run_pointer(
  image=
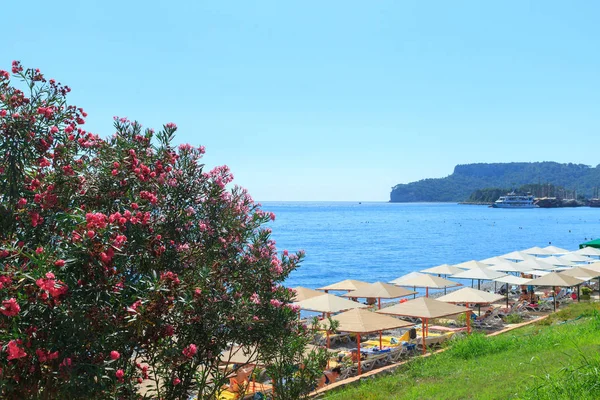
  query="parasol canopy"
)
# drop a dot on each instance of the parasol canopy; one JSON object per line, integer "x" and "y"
{"x": 429, "y": 281}
{"x": 471, "y": 264}
{"x": 536, "y": 272}
{"x": 537, "y": 263}
{"x": 594, "y": 266}
{"x": 510, "y": 267}
{"x": 575, "y": 258}
{"x": 303, "y": 293}
{"x": 516, "y": 255}
{"x": 587, "y": 251}
{"x": 582, "y": 273}
{"x": 555, "y": 279}
{"x": 479, "y": 273}
{"x": 346, "y": 285}
{"x": 469, "y": 295}
{"x": 380, "y": 290}
{"x": 401, "y": 279}
{"x": 328, "y": 303}
{"x": 423, "y": 307}
{"x": 512, "y": 280}
{"x": 364, "y": 321}
{"x": 494, "y": 260}
{"x": 537, "y": 251}
{"x": 443, "y": 269}
{"x": 556, "y": 250}
{"x": 553, "y": 260}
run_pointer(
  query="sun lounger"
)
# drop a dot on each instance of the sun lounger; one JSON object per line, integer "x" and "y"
{"x": 446, "y": 328}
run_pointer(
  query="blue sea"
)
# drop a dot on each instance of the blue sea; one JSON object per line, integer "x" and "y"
{"x": 381, "y": 241}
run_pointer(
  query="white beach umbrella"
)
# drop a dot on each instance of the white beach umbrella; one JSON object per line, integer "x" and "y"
{"x": 537, "y": 251}
{"x": 517, "y": 256}
{"x": 399, "y": 281}
{"x": 576, "y": 258}
{"x": 494, "y": 260}
{"x": 479, "y": 274}
{"x": 428, "y": 281}
{"x": 471, "y": 264}
{"x": 510, "y": 267}
{"x": 588, "y": 251}
{"x": 403, "y": 278}
{"x": 554, "y": 279}
{"x": 594, "y": 266}
{"x": 302, "y": 293}
{"x": 443, "y": 269}
{"x": 537, "y": 272}
{"x": 511, "y": 280}
{"x": 582, "y": 273}
{"x": 364, "y": 321}
{"x": 537, "y": 263}
{"x": 555, "y": 261}
{"x": 346, "y": 285}
{"x": 556, "y": 250}
{"x": 426, "y": 309}
{"x": 469, "y": 295}
{"x": 328, "y": 304}
{"x": 379, "y": 290}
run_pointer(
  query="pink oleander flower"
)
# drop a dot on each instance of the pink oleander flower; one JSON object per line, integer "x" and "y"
{"x": 255, "y": 298}
{"x": 190, "y": 351}
{"x": 176, "y": 381}
{"x": 10, "y": 307}
{"x": 114, "y": 355}
{"x": 119, "y": 374}
{"x": 14, "y": 351}
{"x": 276, "y": 303}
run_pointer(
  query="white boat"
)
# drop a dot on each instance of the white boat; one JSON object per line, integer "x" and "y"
{"x": 513, "y": 200}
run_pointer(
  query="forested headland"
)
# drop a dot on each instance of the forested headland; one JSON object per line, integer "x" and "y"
{"x": 483, "y": 182}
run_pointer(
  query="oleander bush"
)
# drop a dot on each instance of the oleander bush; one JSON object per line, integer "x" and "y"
{"x": 126, "y": 267}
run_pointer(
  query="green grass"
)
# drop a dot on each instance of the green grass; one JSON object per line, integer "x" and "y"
{"x": 543, "y": 361}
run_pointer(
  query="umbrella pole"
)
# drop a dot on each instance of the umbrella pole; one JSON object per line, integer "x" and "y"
{"x": 578, "y": 286}
{"x": 423, "y": 335}
{"x": 478, "y": 284}
{"x": 554, "y": 291}
{"x": 379, "y": 303}
{"x": 472, "y": 283}
{"x": 380, "y": 343}
{"x": 427, "y": 291}
{"x": 468, "y": 321}
{"x": 415, "y": 290}
{"x": 507, "y": 297}
{"x": 359, "y": 356}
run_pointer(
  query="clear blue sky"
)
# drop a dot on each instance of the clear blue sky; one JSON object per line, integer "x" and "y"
{"x": 330, "y": 100}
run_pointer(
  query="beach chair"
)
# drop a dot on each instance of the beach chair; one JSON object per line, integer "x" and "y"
{"x": 398, "y": 353}
{"x": 490, "y": 322}
{"x": 545, "y": 305}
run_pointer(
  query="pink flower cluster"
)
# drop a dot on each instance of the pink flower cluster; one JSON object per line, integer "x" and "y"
{"x": 10, "y": 307}
{"x": 49, "y": 284}
{"x": 190, "y": 351}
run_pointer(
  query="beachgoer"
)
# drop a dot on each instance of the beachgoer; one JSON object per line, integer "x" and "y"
{"x": 371, "y": 301}
{"x": 329, "y": 377}
{"x": 240, "y": 380}
{"x": 488, "y": 312}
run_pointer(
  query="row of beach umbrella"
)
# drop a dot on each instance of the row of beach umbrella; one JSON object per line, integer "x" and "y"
{"x": 551, "y": 266}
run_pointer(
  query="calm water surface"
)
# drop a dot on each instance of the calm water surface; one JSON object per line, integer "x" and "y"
{"x": 382, "y": 241}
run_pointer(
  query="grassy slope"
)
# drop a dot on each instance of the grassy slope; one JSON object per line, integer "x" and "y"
{"x": 508, "y": 366}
